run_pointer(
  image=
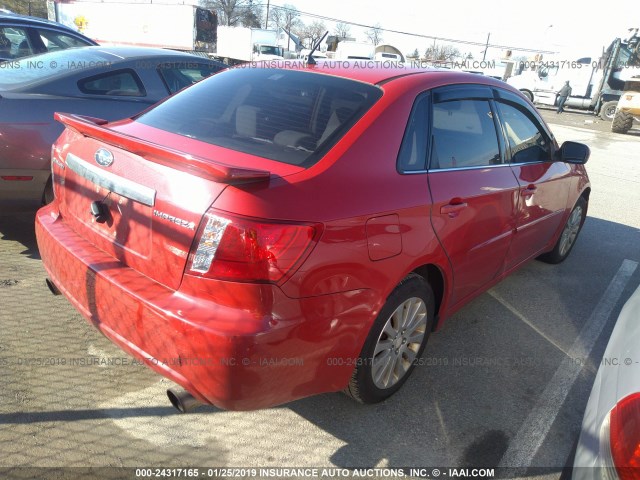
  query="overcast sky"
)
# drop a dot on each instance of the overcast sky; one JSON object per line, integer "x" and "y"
{"x": 574, "y": 28}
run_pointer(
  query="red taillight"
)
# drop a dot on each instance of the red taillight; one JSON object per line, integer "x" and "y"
{"x": 17, "y": 178}
{"x": 624, "y": 435}
{"x": 244, "y": 250}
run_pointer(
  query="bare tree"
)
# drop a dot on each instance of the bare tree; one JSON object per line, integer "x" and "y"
{"x": 235, "y": 12}
{"x": 310, "y": 34}
{"x": 287, "y": 18}
{"x": 36, "y": 8}
{"x": 441, "y": 53}
{"x": 414, "y": 54}
{"x": 375, "y": 34}
{"x": 342, "y": 30}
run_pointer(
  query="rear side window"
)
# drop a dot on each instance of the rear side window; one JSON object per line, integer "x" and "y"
{"x": 14, "y": 43}
{"x": 59, "y": 41}
{"x": 284, "y": 115}
{"x": 176, "y": 76}
{"x": 413, "y": 151}
{"x": 464, "y": 135}
{"x": 527, "y": 142}
{"x": 120, "y": 83}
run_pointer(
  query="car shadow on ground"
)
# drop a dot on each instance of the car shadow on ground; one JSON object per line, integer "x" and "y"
{"x": 479, "y": 378}
{"x": 486, "y": 369}
{"x": 20, "y": 228}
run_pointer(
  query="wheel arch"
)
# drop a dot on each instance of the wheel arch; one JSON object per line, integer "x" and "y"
{"x": 528, "y": 93}
{"x": 434, "y": 276}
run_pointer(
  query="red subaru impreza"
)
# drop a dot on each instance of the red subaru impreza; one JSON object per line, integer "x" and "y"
{"x": 274, "y": 233}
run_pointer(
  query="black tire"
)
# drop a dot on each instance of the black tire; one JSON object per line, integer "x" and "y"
{"x": 622, "y": 122}
{"x": 569, "y": 234}
{"x": 47, "y": 196}
{"x": 527, "y": 94}
{"x": 402, "y": 354}
{"x": 608, "y": 110}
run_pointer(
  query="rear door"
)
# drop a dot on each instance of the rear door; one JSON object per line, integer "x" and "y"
{"x": 544, "y": 183}
{"x": 474, "y": 192}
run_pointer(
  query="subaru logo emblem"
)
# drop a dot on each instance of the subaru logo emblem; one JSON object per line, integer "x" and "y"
{"x": 103, "y": 157}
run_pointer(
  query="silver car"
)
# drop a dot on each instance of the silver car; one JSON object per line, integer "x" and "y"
{"x": 104, "y": 82}
{"x": 609, "y": 444}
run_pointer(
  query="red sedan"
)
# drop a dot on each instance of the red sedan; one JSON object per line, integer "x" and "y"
{"x": 274, "y": 233}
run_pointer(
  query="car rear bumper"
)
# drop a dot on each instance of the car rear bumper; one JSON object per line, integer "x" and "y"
{"x": 22, "y": 189}
{"x": 249, "y": 347}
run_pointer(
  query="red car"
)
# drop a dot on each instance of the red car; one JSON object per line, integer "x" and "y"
{"x": 274, "y": 233}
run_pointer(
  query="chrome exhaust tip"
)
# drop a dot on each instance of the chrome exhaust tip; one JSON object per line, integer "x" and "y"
{"x": 182, "y": 400}
{"x": 52, "y": 288}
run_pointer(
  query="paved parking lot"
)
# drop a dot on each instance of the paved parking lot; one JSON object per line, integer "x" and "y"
{"x": 504, "y": 383}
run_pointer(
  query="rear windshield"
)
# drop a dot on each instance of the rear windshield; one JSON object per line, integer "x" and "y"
{"x": 40, "y": 68}
{"x": 284, "y": 115}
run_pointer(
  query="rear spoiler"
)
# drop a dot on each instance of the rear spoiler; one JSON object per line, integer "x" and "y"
{"x": 202, "y": 167}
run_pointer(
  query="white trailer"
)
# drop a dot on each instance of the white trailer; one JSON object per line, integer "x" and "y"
{"x": 242, "y": 44}
{"x": 114, "y": 22}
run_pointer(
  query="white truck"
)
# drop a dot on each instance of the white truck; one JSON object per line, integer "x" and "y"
{"x": 149, "y": 23}
{"x": 595, "y": 84}
{"x": 114, "y": 22}
{"x": 242, "y": 44}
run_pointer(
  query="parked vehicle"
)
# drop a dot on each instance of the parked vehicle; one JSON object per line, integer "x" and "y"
{"x": 348, "y": 50}
{"x": 243, "y": 44}
{"x": 609, "y": 444}
{"x": 596, "y": 84}
{"x": 270, "y": 234}
{"x": 111, "y": 83}
{"x": 23, "y": 36}
{"x": 628, "y": 107}
{"x": 192, "y": 29}
{"x": 304, "y": 54}
{"x": 151, "y": 24}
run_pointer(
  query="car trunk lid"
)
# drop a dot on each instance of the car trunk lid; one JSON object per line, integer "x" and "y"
{"x": 152, "y": 197}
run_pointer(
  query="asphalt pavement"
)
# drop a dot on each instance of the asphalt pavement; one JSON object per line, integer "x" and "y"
{"x": 504, "y": 383}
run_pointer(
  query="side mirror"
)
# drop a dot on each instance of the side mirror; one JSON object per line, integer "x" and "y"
{"x": 574, "y": 152}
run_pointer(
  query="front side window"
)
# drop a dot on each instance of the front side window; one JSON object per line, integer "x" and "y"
{"x": 527, "y": 142}
{"x": 285, "y": 115}
{"x": 120, "y": 83}
{"x": 464, "y": 135}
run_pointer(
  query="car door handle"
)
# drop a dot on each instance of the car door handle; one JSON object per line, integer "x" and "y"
{"x": 530, "y": 190}
{"x": 452, "y": 209}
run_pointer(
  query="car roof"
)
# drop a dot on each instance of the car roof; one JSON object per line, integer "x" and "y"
{"x": 129, "y": 53}
{"x": 382, "y": 72}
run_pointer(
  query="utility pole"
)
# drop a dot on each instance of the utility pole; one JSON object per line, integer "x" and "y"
{"x": 266, "y": 22}
{"x": 484, "y": 56}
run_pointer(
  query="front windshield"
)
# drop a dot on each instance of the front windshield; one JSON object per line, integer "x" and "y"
{"x": 270, "y": 50}
{"x": 40, "y": 68}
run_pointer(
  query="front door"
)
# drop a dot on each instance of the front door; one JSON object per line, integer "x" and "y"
{"x": 542, "y": 200}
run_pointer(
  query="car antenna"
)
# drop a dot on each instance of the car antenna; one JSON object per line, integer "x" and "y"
{"x": 310, "y": 59}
